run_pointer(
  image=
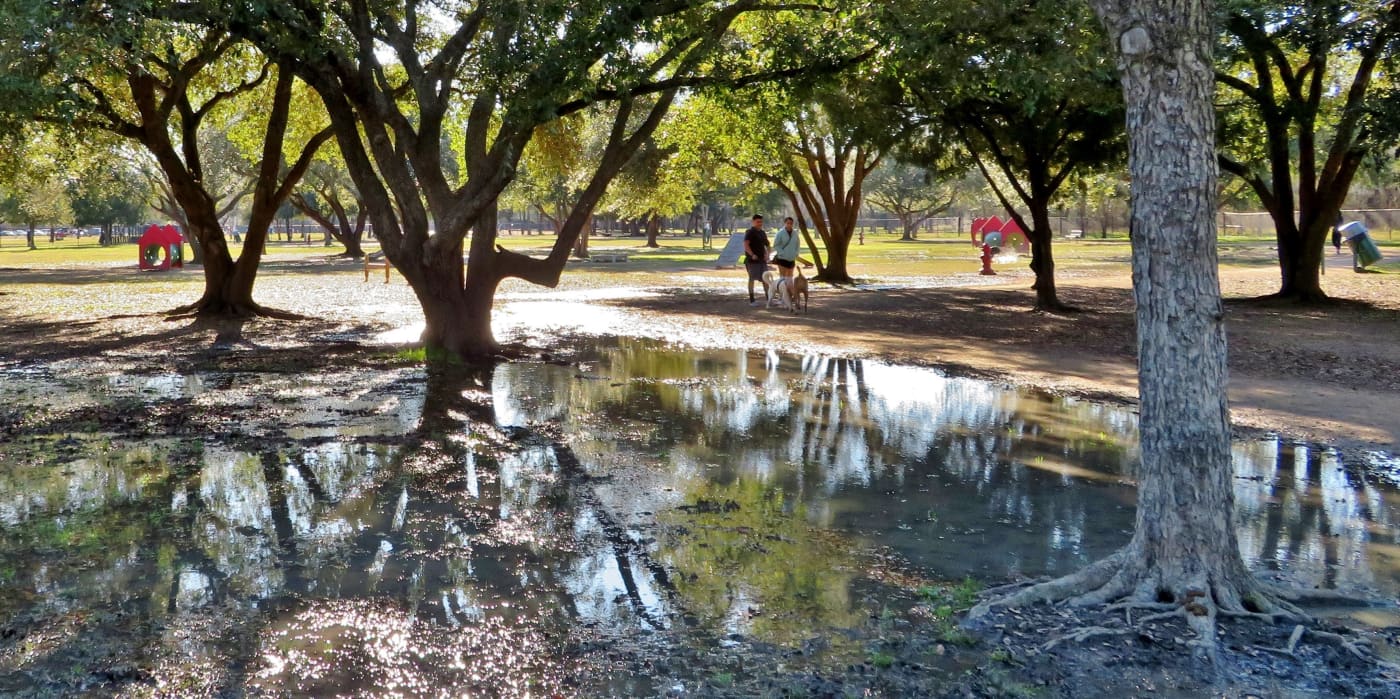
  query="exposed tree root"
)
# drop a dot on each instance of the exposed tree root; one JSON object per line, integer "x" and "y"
{"x": 1359, "y": 648}
{"x": 999, "y": 590}
{"x": 1121, "y": 582}
{"x": 205, "y": 308}
{"x": 1053, "y": 591}
{"x": 1084, "y": 634}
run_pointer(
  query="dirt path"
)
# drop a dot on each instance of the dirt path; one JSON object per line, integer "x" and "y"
{"x": 1328, "y": 375}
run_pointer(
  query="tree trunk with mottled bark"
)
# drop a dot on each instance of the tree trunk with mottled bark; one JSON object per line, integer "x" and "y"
{"x": 1184, "y": 550}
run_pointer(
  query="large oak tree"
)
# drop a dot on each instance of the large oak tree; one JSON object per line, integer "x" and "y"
{"x": 1302, "y": 110}
{"x": 1030, "y": 106}
{"x": 402, "y": 81}
{"x": 1184, "y": 558}
{"x": 117, "y": 68}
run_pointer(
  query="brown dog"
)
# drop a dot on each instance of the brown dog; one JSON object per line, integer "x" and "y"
{"x": 799, "y": 290}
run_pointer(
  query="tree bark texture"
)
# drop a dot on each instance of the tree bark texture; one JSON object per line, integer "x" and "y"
{"x": 1184, "y": 546}
{"x": 1184, "y": 551}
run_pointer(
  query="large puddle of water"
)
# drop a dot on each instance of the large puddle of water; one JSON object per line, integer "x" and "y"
{"x": 400, "y": 533}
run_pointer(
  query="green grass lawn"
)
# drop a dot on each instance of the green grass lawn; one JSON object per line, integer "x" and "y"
{"x": 15, "y": 253}
{"x": 882, "y": 254}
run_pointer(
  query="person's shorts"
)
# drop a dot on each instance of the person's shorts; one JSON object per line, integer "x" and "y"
{"x": 785, "y": 264}
{"x": 756, "y": 270}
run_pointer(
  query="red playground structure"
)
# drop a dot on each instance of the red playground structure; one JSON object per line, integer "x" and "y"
{"x": 991, "y": 234}
{"x": 161, "y": 247}
{"x": 1011, "y": 234}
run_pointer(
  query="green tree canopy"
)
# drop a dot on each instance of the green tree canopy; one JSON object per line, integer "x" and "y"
{"x": 123, "y": 69}
{"x": 391, "y": 75}
{"x": 1029, "y": 106}
{"x": 1303, "y": 101}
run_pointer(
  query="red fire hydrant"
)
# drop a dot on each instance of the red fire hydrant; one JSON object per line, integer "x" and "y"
{"x": 987, "y": 253}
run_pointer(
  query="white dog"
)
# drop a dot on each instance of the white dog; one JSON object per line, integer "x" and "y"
{"x": 778, "y": 289}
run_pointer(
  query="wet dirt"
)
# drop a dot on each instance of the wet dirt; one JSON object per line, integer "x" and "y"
{"x": 615, "y": 517}
{"x": 733, "y": 503}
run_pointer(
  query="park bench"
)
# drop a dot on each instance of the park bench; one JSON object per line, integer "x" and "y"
{"x": 607, "y": 257}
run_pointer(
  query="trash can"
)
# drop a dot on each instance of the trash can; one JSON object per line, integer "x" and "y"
{"x": 1363, "y": 250}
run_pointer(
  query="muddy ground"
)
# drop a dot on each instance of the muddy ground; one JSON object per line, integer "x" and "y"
{"x": 1326, "y": 375}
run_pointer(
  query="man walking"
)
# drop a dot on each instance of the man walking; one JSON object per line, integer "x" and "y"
{"x": 756, "y": 256}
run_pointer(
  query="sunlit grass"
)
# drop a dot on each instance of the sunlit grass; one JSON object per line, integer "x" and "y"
{"x": 14, "y": 251}
{"x": 72, "y": 278}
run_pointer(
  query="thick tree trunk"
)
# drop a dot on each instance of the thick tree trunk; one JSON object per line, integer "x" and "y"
{"x": 458, "y": 318}
{"x": 456, "y": 302}
{"x": 1184, "y": 545}
{"x": 228, "y": 284}
{"x": 907, "y": 222}
{"x": 1184, "y": 550}
{"x": 1300, "y": 261}
{"x": 1043, "y": 260}
{"x": 29, "y": 237}
{"x": 838, "y": 245}
{"x": 653, "y": 230}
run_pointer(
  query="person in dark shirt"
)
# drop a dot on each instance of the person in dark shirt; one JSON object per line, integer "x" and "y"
{"x": 756, "y": 256}
{"x": 1337, "y": 233}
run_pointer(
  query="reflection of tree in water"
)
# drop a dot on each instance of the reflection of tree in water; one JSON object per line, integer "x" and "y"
{"x": 353, "y": 559}
{"x": 465, "y": 552}
{"x": 746, "y": 561}
{"x": 1301, "y": 510}
{"x": 856, "y": 442}
{"x": 1015, "y": 481}
{"x": 467, "y": 533}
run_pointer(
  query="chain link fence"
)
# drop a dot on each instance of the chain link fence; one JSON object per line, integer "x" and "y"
{"x": 1259, "y": 224}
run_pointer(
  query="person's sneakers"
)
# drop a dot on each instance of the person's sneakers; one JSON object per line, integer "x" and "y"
{"x": 753, "y": 303}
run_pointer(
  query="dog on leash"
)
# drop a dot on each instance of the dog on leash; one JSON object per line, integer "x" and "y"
{"x": 777, "y": 289}
{"x": 799, "y": 291}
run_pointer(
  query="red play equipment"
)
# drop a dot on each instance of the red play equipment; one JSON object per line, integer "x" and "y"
{"x": 1011, "y": 234}
{"x": 161, "y": 248}
{"x": 991, "y": 245}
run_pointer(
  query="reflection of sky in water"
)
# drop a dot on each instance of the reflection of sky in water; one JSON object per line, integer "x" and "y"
{"x": 415, "y": 558}
{"x": 959, "y": 476}
{"x": 158, "y": 386}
